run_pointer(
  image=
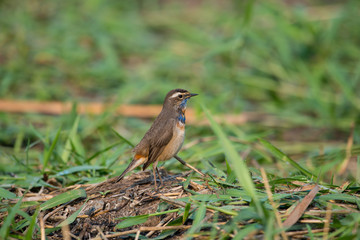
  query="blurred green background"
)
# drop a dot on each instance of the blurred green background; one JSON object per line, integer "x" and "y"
{"x": 296, "y": 61}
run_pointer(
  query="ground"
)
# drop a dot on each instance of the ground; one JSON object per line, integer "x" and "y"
{"x": 108, "y": 201}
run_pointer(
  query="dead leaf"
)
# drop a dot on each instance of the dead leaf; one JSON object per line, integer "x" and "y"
{"x": 299, "y": 210}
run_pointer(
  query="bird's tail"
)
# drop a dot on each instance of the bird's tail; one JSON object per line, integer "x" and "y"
{"x": 134, "y": 163}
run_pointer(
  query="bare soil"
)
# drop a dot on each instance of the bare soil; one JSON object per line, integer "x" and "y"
{"x": 108, "y": 201}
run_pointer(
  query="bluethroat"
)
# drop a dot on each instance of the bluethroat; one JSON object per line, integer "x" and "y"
{"x": 165, "y": 137}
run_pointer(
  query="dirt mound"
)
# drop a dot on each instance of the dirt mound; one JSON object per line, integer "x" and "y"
{"x": 133, "y": 196}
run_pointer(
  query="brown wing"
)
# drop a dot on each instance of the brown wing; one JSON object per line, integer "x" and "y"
{"x": 160, "y": 138}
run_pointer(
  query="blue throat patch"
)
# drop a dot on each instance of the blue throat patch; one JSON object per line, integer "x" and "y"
{"x": 183, "y": 103}
{"x": 181, "y": 116}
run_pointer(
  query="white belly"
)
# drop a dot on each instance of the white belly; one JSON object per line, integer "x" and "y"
{"x": 175, "y": 143}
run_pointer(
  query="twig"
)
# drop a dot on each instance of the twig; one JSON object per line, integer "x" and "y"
{"x": 42, "y": 226}
{"x": 294, "y": 233}
{"x": 144, "y": 229}
{"x": 52, "y": 212}
{"x": 327, "y": 222}
{"x": 33, "y": 198}
{"x": 176, "y": 203}
{"x": 322, "y": 212}
{"x": 188, "y": 165}
{"x": 171, "y": 194}
{"x": 164, "y": 221}
{"x": 312, "y": 221}
{"x": 100, "y": 212}
{"x": 66, "y": 232}
{"x": 101, "y": 233}
{"x": 137, "y": 235}
{"x": 74, "y": 236}
{"x": 268, "y": 192}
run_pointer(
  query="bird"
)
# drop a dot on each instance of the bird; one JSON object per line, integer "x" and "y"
{"x": 165, "y": 137}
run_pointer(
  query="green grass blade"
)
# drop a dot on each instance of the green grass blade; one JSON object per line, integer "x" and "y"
{"x": 78, "y": 169}
{"x": 231, "y": 176}
{"x": 30, "y": 229}
{"x": 131, "y": 221}
{"x": 72, "y": 218}
{"x": 71, "y": 138}
{"x": 63, "y": 198}
{"x": 123, "y": 138}
{"x": 242, "y": 233}
{"x": 186, "y": 212}
{"x": 269, "y": 228}
{"x": 38, "y": 134}
{"x": 358, "y": 171}
{"x": 239, "y": 166}
{"x": 311, "y": 235}
{"x": 4, "y": 230}
{"x": 101, "y": 151}
{"x": 223, "y": 210}
{"x": 6, "y": 194}
{"x": 338, "y": 197}
{"x": 199, "y": 217}
{"x": 279, "y": 154}
{"x": 51, "y": 149}
{"x": 22, "y": 224}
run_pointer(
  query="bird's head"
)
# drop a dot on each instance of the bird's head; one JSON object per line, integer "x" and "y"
{"x": 178, "y": 98}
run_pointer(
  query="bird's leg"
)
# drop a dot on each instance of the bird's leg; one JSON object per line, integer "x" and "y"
{"x": 161, "y": 181}
{"x": 188, "y": 165}
{"x": 154, "y": 176}
{"x": 155, "y": 168}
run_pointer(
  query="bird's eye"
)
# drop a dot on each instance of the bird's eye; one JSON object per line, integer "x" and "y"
{"x": 180, "y": 96}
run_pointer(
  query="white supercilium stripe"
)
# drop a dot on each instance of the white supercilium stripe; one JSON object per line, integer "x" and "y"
{"x": 176, "y": 94}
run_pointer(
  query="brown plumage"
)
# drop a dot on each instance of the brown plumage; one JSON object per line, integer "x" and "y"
{"x": 166, "y": 135}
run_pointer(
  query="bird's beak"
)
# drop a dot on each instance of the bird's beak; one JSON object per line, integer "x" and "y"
{"x": 193, "y": 95}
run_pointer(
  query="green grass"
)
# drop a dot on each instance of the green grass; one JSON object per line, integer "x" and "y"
{"x": 297, "y": 64}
